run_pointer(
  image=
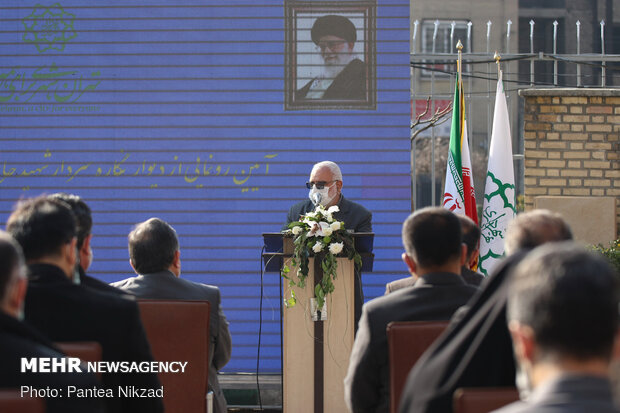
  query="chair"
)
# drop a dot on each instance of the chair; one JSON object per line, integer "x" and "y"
{"x": 407, "y": 341}
{"x": 179, "y": 331}
{"x": 84, "y": 350}
{"x": 12, "y": 402}
{"x": 483, "y": 399}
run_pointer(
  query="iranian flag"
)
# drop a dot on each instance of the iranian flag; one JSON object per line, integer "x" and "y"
{"x": 499, "y": 190}
{"x": 459, "y": 195}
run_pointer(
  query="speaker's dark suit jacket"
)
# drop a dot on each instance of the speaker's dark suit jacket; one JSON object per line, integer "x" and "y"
{"x": 65, "y": 311}
{"x": 434, "y": 296}
{"x": 19, "y": 340}
{"x": 356, "y": 218}
{"x": 476, "y": 351}
{"x": 354, "y": 215}
{"x": 166, "y": 286}
{"x": 350, "y": 84}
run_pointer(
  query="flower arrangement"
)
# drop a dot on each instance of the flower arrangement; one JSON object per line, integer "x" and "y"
{"x": 318, "y": 233}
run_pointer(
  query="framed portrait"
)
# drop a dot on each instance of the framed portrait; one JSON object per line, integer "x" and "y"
{"x": 330, "y": 56}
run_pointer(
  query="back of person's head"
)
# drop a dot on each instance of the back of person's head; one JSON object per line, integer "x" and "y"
{"x": 152, "y": 245}
{"x": 42, "y": 227}
{"x": 569, "y": 298}
{"x": 432, "y": 237}
{"x": 471, "y": 234}
{"x": 531, "y": 229}
{"x": 11, "y": 259}
{"x": 332, "y": 166}
{"x": 82, "y": 214}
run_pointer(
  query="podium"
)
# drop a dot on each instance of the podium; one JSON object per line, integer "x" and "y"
{"x": 315, "y": 354}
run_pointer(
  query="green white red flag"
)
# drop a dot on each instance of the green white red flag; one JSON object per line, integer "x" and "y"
{"x": 499, "y": 191}
{"x": 459, "y": 195}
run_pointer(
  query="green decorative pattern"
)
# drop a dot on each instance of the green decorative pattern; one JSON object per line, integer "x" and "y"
{"x": 48, "y": 27}
{"x": 501, "y": 191}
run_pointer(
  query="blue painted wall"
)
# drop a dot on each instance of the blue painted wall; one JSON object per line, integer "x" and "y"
{"x": 175, "y": 109}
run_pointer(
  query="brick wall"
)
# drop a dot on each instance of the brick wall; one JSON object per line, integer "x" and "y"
{"x": 571, "y": 143}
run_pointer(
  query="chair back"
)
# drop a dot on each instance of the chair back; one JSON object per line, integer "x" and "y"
{"x": 483, "y": 399}
{"x": 12, "y": 402}
{"x": 407, "y": 341}
{"x": 179, "y": 331}
{"x": 84, "y": 350}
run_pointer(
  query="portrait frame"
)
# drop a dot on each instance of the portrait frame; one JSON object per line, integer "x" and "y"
{"x": 304, "y": 63}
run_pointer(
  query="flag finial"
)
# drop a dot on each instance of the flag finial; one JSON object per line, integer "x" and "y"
{"x": 497, "y": 58}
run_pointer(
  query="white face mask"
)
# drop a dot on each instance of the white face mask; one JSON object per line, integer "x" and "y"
{"x": 321, "y": 196}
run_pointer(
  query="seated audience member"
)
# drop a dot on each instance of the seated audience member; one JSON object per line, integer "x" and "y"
{"x": 471, "y": 235}
{"x": 84, "y": 221}
{"x": 65, "y": 311}
{"x": 18, "y": 340}
{"x": 563, "y": 318}
{"x": 155, "y": 256}
{"x": 434, "y": 254}
{"x": 476, "y": 350}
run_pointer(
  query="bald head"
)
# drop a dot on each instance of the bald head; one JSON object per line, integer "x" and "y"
{"x": 531, "y": 229}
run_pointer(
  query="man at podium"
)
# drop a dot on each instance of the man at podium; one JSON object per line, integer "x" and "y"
{"x": 325, "y": 187}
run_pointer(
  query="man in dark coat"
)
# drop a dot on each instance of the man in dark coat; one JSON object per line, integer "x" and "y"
{"x": 344, "y": 76}
{"x": 476, "y": 350}
{"x": 155, "y": 256}
{"x": 18, "y": 340}
{"x": 325, "y": 187}
{"x": 434, "y": 255}
{"x": 65, "y": 311}
{"x": 84, "y": 228}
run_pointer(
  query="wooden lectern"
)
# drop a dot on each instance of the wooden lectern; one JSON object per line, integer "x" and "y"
{"x": 315, "y": 354}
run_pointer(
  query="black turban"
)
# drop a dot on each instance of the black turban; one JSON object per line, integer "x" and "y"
{"x": 333, "y": 25}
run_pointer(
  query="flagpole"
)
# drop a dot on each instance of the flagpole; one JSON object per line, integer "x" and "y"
{"x": 459, "y": 47}
{"x": 497, "y": 57}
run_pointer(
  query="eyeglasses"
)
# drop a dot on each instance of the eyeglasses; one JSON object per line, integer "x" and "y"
{"x": 319, "y": 184}
{"x": 331, "y": 44}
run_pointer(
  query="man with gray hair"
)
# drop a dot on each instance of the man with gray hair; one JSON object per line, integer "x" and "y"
{"x": 155, "y": 256}
{"x": 563, "y": 319}
{"x": 325, "y": 187}
{"x": 476, "y": 351}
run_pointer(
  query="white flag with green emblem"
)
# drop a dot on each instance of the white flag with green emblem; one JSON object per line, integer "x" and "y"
{"x": 499, "y": 190}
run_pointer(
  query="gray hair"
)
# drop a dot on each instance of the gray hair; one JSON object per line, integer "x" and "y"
{"x": 332, "y": 166}
{"x": 534, "y": 228}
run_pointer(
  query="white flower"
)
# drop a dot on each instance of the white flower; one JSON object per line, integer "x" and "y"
{"x": 311, "y": 215}
{"x": 318, "y": 247}
{"x": 327, "y": 231}
{"x": 296, "y": 230}
{"x": 329, "y": 217}
{"x": 333, "y": 208}
{"x": 335, "y": 226}
{"x": 315, "y": 228}
{"x": 336, "y": 247}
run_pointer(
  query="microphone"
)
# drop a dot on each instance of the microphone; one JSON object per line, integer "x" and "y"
{"x": 316, "y": 198}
